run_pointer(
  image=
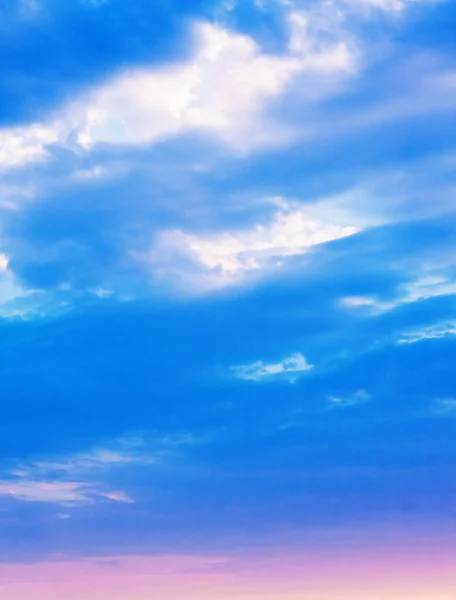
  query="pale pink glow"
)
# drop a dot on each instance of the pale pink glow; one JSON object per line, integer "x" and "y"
{"x": 58, "y": 492}
{"x": 39, "y": 491}
{"x": 117, "y": 497}
{"x": 413, "y": 571}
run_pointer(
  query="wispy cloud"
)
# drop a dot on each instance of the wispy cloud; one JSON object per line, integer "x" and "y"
{"x": 97, "y": 460}
{"x": 423, "y": 288}
{"x": 58, "y": 492}
{"x": 85, "y": 477}
{"x": 432, "y": 332}
{"x": 358, "y": 397}
{"x": 66, "y": 493}
{"x": 74, "y": 481}
{"x": 445, "y": 407}
{"x": 290, "y": 369}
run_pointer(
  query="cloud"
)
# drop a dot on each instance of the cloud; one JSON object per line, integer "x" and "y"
{"x": 74, "y": 480}
{"x": 56, "y": 492}
{"x": 12, "y": 294}
{"x": 225, "y": 89}
{"x": 121, "y": 452}
{"x": 65, "y": 493}
{"x": 83, "y": 462}
{"x": 222, "y": 89}
{"x": 432, "y": 90}
{"x": 18, "y": 302}
{"x": 85, "y": 477}
{"x": 386, "y": 5}
{"x": 425, "y": 287}
{"x": 117, "y": 497}
{"x": 445, "y": 407}
{"x": 26, "y": 144}
{"x": 432, "y": 332}
{"x": 290, "y": 368}
{"x": 351, "y": 400}
{"x": 231, "y": 257}
{"x": 69, "y": 482}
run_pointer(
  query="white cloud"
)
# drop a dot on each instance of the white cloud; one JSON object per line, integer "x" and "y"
{"x": 433, "y": 332}
{"x": 3, "y": 263}
{"x": 10, "y": 290}
{"x": 223, "y": 89}
{"x": 102, "y": 292}
{"x": 425, "y": 287}
{"x": 230, "y": 257}
{"x": 22, "y": 145}
{"x": 356, "y": 398}
{"x": 290, "y": 368}
{"x": 429, "y": 286}
{"x": 117, "y": 497}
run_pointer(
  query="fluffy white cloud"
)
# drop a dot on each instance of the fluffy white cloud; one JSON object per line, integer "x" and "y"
{"x": 290, "y": 368}
{"x": 22, "y": 145}
{"x": 223, "y": 89}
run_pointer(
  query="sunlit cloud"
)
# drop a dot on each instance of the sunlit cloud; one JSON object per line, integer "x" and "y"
{"x": 223, "y": 89}
{"x": 213, "y": 261}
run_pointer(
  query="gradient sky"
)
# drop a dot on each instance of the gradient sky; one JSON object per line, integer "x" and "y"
{"x": 227, "y": 300}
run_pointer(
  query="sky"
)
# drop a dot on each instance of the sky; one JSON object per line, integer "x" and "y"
{"x": 227, "y": 299}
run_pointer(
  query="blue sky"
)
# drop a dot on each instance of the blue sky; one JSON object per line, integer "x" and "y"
{"x": 227, "y": 274}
